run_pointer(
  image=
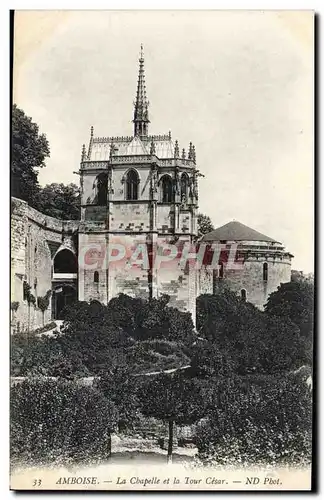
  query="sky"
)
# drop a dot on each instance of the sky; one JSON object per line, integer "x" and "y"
{"x": 238, "y": 84}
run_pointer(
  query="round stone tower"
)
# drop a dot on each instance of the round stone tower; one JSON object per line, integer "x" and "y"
{"x": 250, "y": 263}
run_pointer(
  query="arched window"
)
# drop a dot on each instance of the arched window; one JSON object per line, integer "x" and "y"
{"x": 96, "y": 277}
{"x": 265, "y": 271}
{"x": 132, "y": 182}
{"x": 184, "y": 186}
{"x": 65, "y": 262}
{"x": 243, "y": 294}
{"x": 167, "y": 189}
{"x": 221, "y": 270}
{"x": 102, "y": 189}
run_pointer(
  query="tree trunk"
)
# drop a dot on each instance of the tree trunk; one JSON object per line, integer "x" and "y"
{"x": 170, "y": 444}
{"x": 109, "y": 445}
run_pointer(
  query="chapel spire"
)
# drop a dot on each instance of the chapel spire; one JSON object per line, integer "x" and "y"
{"x": 141, "y": 103}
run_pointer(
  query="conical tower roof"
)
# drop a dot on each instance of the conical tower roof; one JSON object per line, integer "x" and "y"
{"x": 236, "y": 231}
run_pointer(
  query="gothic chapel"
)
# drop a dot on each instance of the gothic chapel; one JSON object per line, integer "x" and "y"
{"x": 138, "y": 188}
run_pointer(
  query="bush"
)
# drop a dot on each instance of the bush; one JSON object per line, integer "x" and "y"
{"x": 59, "y": 422}
{"x": 47, "y": 356}
{"x": 251, "y": 421}
{"x": 246, "y": 339}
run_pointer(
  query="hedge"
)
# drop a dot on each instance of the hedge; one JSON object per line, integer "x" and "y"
{"x": 59, "y": 422}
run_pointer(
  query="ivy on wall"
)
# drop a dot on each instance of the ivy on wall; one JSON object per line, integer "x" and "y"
{"x": 43, "y": 302}
{"x": 27, "y": 294}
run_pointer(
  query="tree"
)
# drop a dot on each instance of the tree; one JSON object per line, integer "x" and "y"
{"x": 256, "y": 420}
{"x": 90, "y": 332}
{"x": 246, "y": 339}
{"x": 60, "y": 201}
{"x": 205, "y": 224}
{"x": 300, "y": 276}
{"x": 295, "y": 301}
{"x": 155, "y": 319}
{"x": 29, "y": 151}
{"x": 43, "y": 302}
{"x": 174, "y": 399}
{"x": 119, "y": 386}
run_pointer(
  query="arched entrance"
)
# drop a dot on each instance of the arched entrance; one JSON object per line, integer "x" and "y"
{"x": 64, "y": 281}
{"x": 63, "y": 295}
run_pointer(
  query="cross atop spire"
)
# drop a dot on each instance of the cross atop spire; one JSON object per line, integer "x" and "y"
{"x": 141, "y": 119}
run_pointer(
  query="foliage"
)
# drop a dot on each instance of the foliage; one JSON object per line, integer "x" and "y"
{"x": 31, "y": 299}
{"x": 90, "y": 333}
{"x": 294, "y": 301}
{"x": 157, "y": 355}
{"x": 256, "y": 420}
{"x": 172, "y": 398}
{"x": 43, "y": 302}
{"x": 14, "y": 305}
{"x": 205, "y": 224}
{"x": 60, "y": 201}
{"x": 120, "y": 387}
{"x": 239, "y": 338}
{"x": 300, "y": 276}
{"x": 45, "y": 356}
{"x": 157, "y": 320}
{"x": 241, "y": 376}
{"x": 58, "y": 422}
{"x": 29, "y": 151}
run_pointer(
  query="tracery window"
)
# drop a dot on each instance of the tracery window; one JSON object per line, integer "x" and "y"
{"x": 167, "y": 189}
{"x": 102, "y": 189}
{"x": 132, "y": 182}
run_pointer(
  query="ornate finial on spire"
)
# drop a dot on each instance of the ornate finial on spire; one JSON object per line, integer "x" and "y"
{"x": 152, "y": 148}
{"x": 83, "y": 152}
{"x": 183, "y": 154}
{"x": 190, "y": 151}
{"x": 194, "y": 154}
{"x": 141, "y": 119}
{"x": 176, "y": 149}
{"x": 90, "y": 143}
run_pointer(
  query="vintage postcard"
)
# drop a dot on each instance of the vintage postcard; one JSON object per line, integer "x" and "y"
{"x": 162, "y": 274}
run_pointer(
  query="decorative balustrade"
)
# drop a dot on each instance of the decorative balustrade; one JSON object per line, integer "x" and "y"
{"x": 121, "y": 159}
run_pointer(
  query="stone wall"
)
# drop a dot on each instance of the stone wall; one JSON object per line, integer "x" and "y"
{"x": 35, "y": 238}
{"x": 130, "y": 217}
{"x": 250, "y": 278}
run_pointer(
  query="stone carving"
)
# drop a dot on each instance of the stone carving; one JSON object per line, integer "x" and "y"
{"x": 110, "y": 182}
{"x": 154, "y": 180}
{"x": 176, "y": 184}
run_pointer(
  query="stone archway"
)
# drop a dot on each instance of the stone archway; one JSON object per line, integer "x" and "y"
{"x": 64, "y": 294}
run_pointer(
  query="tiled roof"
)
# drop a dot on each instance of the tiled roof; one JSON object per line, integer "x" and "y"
{"x": 236, "y": 231}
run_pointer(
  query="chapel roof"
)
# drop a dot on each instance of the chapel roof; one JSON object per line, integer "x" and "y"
{"x": 130, "y": 146}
